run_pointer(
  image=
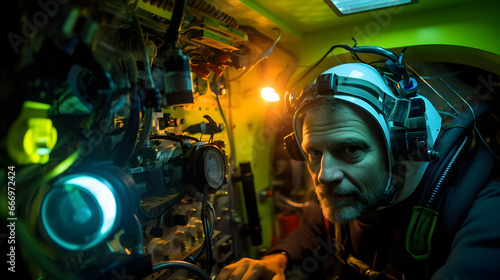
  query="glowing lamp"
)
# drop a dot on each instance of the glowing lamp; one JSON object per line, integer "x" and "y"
{"x": 83, "y": 209}
{"x": 269, "y": 94}
{"x": 32, "y": 136}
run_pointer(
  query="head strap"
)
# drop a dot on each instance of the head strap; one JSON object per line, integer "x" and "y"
{"x": 394, "y": 109}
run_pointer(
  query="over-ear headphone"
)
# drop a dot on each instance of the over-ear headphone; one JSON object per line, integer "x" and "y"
{"x": 408, "y": 133}
{"x": 409, "y": 122}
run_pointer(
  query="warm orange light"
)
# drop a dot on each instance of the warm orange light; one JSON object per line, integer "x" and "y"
{"x": 269, "y": 94}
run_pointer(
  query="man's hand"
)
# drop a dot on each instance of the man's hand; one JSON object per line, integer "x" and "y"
{"x": 271, "y": 267}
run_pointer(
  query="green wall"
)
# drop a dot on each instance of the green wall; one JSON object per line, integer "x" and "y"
{"x": 464, "y": 33}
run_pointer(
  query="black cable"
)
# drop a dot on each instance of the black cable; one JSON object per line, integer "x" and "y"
{"x": 182, "y": 265}
{"x": 202, "y": 248}
{"x": 448, "y": 173}
{"x": 146, "y": 129}
{"x": 172, "y": 34}
{"x": 140, "y": 237}
{"x": 354, "y": 50}
{"x": 127, "y": 145}
{"x": 208, "y": 245}
{"x": 377, "y": 61}
{"x": 177, "y": 138}
{"x": 256, "y": 60}
{"x": 171, "y": 203}
{"x": 374, "y": 50}
{"x": 359, "y": 59}
{"x": 315, "y": 65}
{"x": 193, "y": 259}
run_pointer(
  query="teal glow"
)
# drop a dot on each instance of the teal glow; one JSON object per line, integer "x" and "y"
{"x": 104, "y": 196}
{"x": 70, "y": 191}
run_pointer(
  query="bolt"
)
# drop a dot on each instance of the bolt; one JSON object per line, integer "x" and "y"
{"x": 433, "y": 154}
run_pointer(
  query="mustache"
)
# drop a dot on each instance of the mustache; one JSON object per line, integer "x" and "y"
{"x": 327, "y": 190}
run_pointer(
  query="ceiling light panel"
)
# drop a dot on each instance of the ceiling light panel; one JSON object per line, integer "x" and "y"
{"x": 347, "y": 7}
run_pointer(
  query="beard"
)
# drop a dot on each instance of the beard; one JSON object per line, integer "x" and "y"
{"x": 342, "y": 205}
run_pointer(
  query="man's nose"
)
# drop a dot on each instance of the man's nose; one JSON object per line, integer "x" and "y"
{"x": 330, "y": 171}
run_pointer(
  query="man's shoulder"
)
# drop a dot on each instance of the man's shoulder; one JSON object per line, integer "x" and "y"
{"x": 459, "y": 203}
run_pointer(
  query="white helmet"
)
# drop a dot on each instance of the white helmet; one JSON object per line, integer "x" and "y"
{"x": 409, "y": 124}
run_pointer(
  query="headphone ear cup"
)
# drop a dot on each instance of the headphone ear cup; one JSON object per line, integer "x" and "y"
{"x": 398, "y": 144}
{"x": 410, "y": 142}
{"x": 293, "y": 148}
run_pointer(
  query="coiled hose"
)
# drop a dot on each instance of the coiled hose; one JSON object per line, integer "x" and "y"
{"x": 448, "y": 172}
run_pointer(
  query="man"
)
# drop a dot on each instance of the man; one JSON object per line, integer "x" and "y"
{"x": 367, "y": 151}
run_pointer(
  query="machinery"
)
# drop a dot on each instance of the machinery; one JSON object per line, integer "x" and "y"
{"x": 105, "y": 178}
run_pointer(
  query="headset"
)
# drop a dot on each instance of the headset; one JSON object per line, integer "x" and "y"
{"x": 409, "y": 122}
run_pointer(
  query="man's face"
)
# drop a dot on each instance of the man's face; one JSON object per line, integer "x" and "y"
{"x": 347, "y": 163}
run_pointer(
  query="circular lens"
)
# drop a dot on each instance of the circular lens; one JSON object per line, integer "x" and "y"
{"x": 215, "y": 169}
{"x": 79, "y": 212}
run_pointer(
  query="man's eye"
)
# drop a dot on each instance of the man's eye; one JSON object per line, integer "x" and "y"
{"x": 351, "y": 150}
{"x": 313, "y": 154}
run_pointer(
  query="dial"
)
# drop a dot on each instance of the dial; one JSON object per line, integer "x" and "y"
{"x": 215, "y": 169}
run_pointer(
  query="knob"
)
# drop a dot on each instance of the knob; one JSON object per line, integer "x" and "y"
{"x": 163, "y": 247}
{"x": 156, "y": 232}
{"x": 152, "y": 231}
{"x": 176, "y": 220}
